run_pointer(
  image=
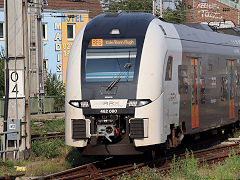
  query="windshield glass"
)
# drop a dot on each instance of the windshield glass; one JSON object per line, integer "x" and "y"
{"x": 104, "y": 65}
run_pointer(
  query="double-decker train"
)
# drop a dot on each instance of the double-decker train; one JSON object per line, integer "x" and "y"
{"x": 135, "y": 82}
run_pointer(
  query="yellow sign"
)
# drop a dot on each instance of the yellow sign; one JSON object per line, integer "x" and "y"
{"x": 112, "y": 43}
{"x": 97, "y": 42}
{"x": 71, "y": 24}
{"x": 120, "y": 42}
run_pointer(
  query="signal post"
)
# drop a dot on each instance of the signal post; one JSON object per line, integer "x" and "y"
{"x": 16, "y": 109}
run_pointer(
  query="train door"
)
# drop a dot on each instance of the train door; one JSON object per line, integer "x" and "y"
{"x": 231, "y": 89}
{"x": 194, "y": 93}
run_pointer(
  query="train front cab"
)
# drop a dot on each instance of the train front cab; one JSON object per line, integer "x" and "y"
{"x": 102, "y": 126}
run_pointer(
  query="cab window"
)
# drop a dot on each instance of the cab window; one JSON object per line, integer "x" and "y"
{"x": 168, "y": 76}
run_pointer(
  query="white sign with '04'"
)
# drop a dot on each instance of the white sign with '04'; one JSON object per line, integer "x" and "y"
{"x": 16, "y": 83}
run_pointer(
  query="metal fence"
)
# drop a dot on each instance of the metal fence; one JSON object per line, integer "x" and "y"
{"x": 48, "y": 106}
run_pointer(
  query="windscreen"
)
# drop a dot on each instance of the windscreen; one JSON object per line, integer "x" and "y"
{"x": 107, "y": 64}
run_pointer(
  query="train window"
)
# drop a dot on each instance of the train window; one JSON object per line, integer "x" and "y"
{"x": 202, "y": 90}
{"x": 104, "y": 65}
{"x": 210, "y": 67}
{"x": 168, "y": 76}
{"x": 238, "y": 76}
{"x": 182, "y": 79}
{"x": 224, "y": 88}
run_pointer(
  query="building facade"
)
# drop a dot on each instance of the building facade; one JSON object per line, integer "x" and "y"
{"x": 218, "y": 13}
{"x": 58, "y": 35}
{"x": 61, "y": 21}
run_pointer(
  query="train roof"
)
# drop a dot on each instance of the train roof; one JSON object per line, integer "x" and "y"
{"x": 129, "y": 24}
{"x": 232, "y": 31}
{"x": 187, "y": 33}
{"x": 199, "y": 26}
{"x": 136, "y": 24}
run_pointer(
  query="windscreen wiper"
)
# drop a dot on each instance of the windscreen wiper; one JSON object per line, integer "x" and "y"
{"x": 127, "y": 67}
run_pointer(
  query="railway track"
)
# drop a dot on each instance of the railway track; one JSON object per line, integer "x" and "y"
{"x": 50, "y": 135}
{"x": 94, "y": 171}
{"x": 9, "y": 177}
{"x": 210, "y": 155}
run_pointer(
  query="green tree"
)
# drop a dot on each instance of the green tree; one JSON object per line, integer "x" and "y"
{"x": 128, "y": 5}
{"x": 175, "y": 15}
{"x": 55, "y": 88}
{"x": 170, "y": 15}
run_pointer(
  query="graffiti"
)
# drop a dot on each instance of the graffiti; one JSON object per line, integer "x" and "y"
{"x": 207, "y": 14}
{"x": 207, "y": 6}
{"x": 221, "y": 24}
{"x": 209, "y": 10}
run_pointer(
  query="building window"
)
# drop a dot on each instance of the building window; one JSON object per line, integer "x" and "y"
{"x": 44, "y": 30}
{"x": 45, "y": 64}
{"x": 70, "y": 31}
{"x": 1, "y": 30}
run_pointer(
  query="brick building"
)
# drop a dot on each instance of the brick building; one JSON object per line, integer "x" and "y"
{"x": 217, "y": 13}
{"x": 93, "y": 7}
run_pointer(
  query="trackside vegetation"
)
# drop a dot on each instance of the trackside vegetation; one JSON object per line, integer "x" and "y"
{"x": 55, "y": 88}
{"x": 48, "y": 155}
{"x": 189, "y": 169}
{"x": 52, "y": 155}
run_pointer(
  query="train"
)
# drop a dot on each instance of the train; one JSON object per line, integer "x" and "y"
{"x": 136, "y": 83}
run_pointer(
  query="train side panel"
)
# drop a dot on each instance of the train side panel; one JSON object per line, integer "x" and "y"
{"x": 206, "y": 81}
{"x": 73, "y": 92}
{"x": 150, "y": 84}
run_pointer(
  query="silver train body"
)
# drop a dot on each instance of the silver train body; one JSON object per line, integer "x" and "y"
{"x": 135, "y": 82}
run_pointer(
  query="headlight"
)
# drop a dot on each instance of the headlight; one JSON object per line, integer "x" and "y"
{"x": 84, "y": 104}
{"x": 80, "y": 104}
{"x": 138, "y": 103}
{"x": 132, "y": 103}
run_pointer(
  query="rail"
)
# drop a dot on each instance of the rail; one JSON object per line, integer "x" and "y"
{"x": 92, "y": 170}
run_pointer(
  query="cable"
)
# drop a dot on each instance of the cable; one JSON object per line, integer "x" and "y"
{"x": 6, "y": 102}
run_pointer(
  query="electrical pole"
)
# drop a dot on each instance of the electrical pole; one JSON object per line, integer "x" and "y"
{"x": 154, "y": 7}
{"x": 161, "y": 8}
{"x": 39, "y": 54}
{"x": 36, "y": 64}
{"x": 17, "y": 77}
{"x": 26, "y": 85}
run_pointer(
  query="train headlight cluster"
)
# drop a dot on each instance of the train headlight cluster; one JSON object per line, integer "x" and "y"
{"x": 75, "y": 103}
{"x": 80, "y": 104}
{"x": 132, "y": 103}
{"x": 84, "y": 104}
{"x": 138, "y": 103}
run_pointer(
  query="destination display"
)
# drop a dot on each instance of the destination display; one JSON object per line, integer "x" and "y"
{"x": 112, "y": 43}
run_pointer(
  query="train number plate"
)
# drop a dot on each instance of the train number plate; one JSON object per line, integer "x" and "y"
{"x": 108, "y": 111}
